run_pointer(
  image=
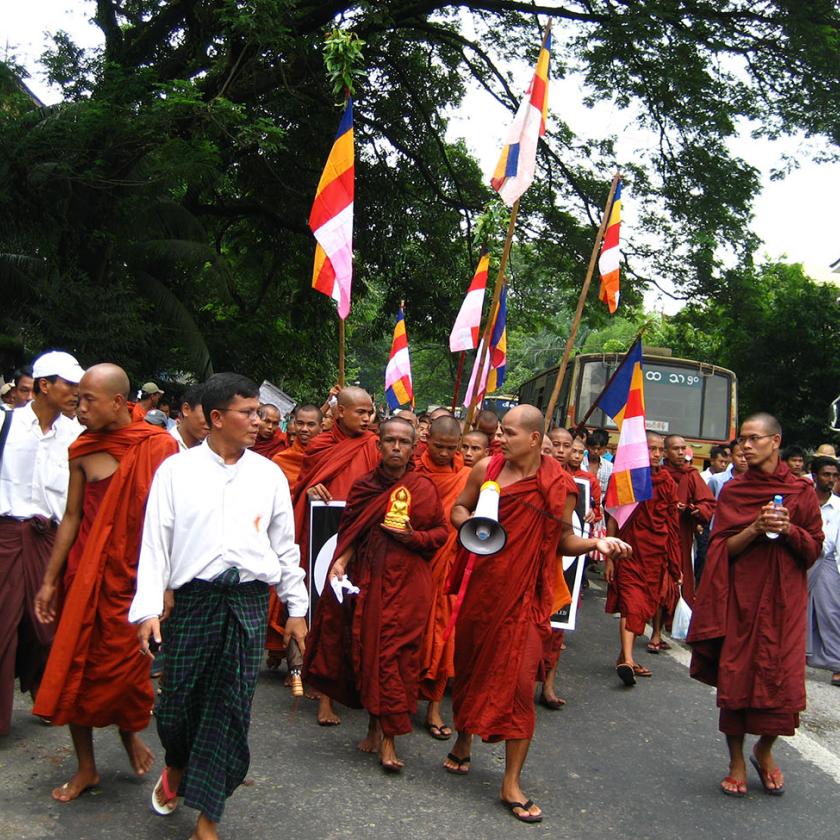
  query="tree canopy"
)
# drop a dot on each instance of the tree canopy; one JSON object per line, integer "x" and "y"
{"x": 157, "y": 216}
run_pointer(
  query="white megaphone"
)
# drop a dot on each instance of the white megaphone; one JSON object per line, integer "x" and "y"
{"x": 482, "y": 533}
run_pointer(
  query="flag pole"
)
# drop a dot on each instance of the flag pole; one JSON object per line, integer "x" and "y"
{"x": 552, "y": 403}
{"x": 341, "y": 352}
{"x": 458, "y": 376}
{"x": 497, "y": 294}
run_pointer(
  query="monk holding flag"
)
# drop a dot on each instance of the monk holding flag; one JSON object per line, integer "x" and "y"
{"x": 368, "y": 651}
{"x": 441, "y": 464}
{"x": 333, "y": 462}
{"x": 748, "y": 626}
{"x": 636, "y": 584}
{"x": 506, "y": 603}
{"x": 94, "y": 675}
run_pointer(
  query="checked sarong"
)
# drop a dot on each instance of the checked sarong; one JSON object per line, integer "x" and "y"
{"x": 214, "y": 645}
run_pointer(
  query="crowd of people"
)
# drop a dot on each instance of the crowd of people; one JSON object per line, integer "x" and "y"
{"x": 138, "y": 546}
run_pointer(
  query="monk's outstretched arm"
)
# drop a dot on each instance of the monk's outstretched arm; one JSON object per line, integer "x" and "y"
{"x": 68, "y": 530}
{"x": 571, "y": 545}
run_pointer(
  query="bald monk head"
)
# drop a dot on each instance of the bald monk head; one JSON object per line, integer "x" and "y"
{"x": 474, "y": 447}
{"x": 675, "y": 450}
{"x": 488, "y": 422}
{"x": 307, "y": 419}
{"x": 522, "y": 434}
{"x": 103, "y": 398}
{"x": 440, "y": 411}
{"x": 547, "y": 447}
{"x": 269, "y": 421}
{"x": 411, "y": 417}
{"x": 576, "y": 453}
{"x": 761, "y": 437}
{"x": 443, "y": 440}
{"x": 561, "y": 440}
{"x": 354, "y": 410}
{"x": 656, "y": 449}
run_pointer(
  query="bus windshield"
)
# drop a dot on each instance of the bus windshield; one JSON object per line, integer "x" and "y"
{"x": 679, "y": 399}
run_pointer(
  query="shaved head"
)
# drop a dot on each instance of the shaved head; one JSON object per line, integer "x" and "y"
{"x": 560, "y": 434}
{"x": 410, "y": 417}
{"x": 440, "y": 411}
{"x": 770, "y": 424}
{"x": 529, "y": 417}
{"x": 109, "y": 379}
{"x": 654, "y": 436}
{"x": 353, "y": 396}
{"x": 445, "y": 424}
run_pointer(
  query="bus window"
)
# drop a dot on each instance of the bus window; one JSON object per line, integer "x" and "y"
{"x": 673, "y": 399}
{"x": 593, "y": 377}
{"x": 716, "y": 407}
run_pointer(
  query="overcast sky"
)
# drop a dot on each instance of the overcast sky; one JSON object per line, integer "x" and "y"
{"x": 796, "y": 217}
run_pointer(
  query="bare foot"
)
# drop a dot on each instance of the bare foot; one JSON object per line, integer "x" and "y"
{"x": 326, "y": 712}
{"x": 388, "y": 756}
{"x": 139, "y": 754}
{"x": 76, "y": 786}
{"x": 205, "y": 829}
{"x": 311, "y": 694}
{"x": 514, "y": 793}
{"x": 373, "y": 740}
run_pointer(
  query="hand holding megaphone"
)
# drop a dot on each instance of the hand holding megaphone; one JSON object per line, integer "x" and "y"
{"x": 481, "y": 533}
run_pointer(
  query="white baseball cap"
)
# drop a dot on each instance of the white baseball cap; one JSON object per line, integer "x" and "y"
{"x": 58, "y": 363}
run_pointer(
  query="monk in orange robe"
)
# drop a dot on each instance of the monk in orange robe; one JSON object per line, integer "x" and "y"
{"x": 474, "y": 446}
{"x": 488, "y": 422}
{"x": 270, "y": 440}
{"x": 749, "y": 621}
{"x": 305, "y": 423}
{"x": 94, "y": 675}
{"x": 440, "y": 464}
{"x": 504, "y": 601}
{"x": 333, "y": 462}
{"x": 637, "y": 585}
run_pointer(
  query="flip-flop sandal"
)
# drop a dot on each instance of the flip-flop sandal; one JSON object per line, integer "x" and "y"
{"x": 664, "y": 646}
{"x": 641, "y": 671}
{"x": 653, "y": 648}
{"x": 625, "y": 674}
{"x": 437, "y": 732}
{"x": 774, "y": 791}
{"x": 554, "y": 705}
{"x": 526, "y": 817}
{"x": 166, "y": 809}
{"x": 740, "y": 790}
{"x": 460, "y": 770}
{"x": 835, "y": 681}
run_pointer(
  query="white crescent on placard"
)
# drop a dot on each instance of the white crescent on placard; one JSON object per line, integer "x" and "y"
{"x": 322, "y": 563}
{"x": 577, "y": 528}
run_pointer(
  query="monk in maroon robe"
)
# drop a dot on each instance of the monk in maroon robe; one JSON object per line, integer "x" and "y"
{"x": 333, "y": 462}
{"x": 696, "y": 504}
{"x": 270, "y": 440}
{"x": 748, "y": 627}
{"x": 367, "y": 651}
{"x": 637, "y": 584}
{"x": 505, "y": 600}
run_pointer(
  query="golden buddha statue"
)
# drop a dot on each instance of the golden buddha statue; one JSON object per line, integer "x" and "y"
{"x": 397, "y": 515}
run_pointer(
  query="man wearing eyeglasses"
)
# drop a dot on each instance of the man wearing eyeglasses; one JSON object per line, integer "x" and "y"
{"x": 219, "y": 532}
{"x": 748, "y": 626}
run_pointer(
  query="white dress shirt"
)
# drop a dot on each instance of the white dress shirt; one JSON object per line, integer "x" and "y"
{"x": 204, "y": 517}
{"x": 176, "y": 433}
{"x": 831, "y": 529}
{"x": 35, "y": 472}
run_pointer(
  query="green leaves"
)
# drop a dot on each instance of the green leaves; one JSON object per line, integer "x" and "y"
{"x": 343, "y": 57}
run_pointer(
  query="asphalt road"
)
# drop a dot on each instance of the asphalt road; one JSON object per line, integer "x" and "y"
{"x": 642, "y": 762}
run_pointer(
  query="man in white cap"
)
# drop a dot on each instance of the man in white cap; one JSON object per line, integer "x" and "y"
{"x": 34, "y": 475}
{"x": 149, "y": 398}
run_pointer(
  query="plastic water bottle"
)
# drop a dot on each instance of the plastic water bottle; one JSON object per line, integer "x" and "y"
{"x": 777, "y": 503}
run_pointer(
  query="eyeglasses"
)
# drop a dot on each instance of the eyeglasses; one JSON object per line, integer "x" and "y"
{"x": 750, "y": 439}
{"x": 250, "y": 413}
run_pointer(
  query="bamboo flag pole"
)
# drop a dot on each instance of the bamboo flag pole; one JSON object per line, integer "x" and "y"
{"x": 488, "y": 327}
{"x": 552, "y": 403}
{"x": 341, "y": 352}
{"x": 458, "y": 376}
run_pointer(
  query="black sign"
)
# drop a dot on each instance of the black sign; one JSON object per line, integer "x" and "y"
{"x": 323, "y": 537}
{"x": 573, "y": 566}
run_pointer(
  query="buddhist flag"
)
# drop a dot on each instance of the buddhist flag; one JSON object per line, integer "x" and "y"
{"x": 464, "y": 335}
{"x": 331, "y": 219}
{"x": 611, "y": 255}
{"x": 398, "y": 388}
{"x": 515, "y": 170}
{"x": 624, "y": 401}
{"x": 495, "y": 365}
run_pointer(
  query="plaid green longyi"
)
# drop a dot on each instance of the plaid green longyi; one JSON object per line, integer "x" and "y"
{"x": 214, "y": 642}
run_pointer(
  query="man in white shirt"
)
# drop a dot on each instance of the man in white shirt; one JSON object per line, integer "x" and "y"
{"x": 719, "y": 460}
{"x": 823, "y": 647}
{"x": 34, "y": 476}
{"x": 219, "y": 530}
{"x": 191, "y": 428}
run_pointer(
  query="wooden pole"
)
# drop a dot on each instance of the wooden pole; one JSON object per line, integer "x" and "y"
{"x": 552, "y": 403}
{"x": 458, "y": 376}
{"x": 488, "y": 327}
{"x": 341, "y": 352}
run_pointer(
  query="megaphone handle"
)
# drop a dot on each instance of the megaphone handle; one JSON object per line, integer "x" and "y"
{"x": 462, "y": 591}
